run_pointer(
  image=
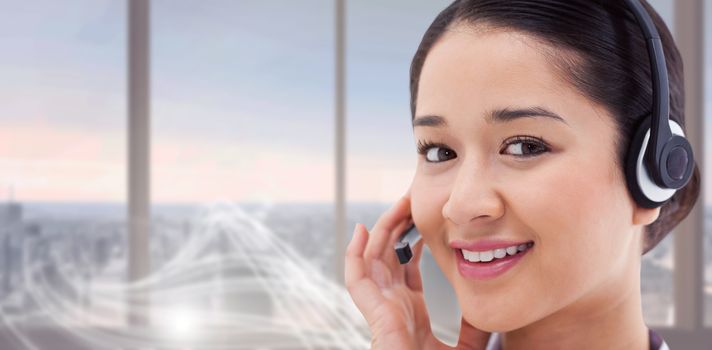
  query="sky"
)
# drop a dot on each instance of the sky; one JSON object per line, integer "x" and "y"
{"x": 241, "y": 99}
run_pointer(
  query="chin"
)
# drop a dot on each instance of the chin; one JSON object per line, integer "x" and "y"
{"x": 493, "y": 317}
{"x": 495, "y": 322}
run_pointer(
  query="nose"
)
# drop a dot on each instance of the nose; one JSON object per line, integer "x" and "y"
{"x": 473, "y": 198}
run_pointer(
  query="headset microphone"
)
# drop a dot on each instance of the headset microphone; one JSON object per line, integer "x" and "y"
{"x": 403, "y": 246}
{"x": 660, "y": 158}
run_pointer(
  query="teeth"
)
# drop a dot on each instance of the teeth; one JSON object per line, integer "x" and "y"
{"x": 486, "y": 256}
{"x": 490, "y": 255}
{"x": 471, "y": 256}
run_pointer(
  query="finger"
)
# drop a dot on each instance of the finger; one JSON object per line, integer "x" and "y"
{"x": 383, "y": 229}
{"x": 413, "y": 278}
{"x": 359, "y": 239}
{"x": 472, "y": 338}
{"x": 354, "y": 267}
{"x": 376, "y": 270}
{"x": 362, "y": 289}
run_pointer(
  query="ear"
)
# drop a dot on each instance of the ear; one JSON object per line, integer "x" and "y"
{"x": 645, "y": 216}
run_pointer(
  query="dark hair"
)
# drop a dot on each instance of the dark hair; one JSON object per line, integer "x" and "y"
{"x": 598, "y": 47}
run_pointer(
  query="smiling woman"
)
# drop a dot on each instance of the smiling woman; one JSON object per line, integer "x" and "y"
{"x": 525, "y": 113}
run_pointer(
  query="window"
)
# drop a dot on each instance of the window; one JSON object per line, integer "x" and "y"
{"x": 242, "y": 110}
{"x": 242, "y": 152}
{"x": 62, "y": 160}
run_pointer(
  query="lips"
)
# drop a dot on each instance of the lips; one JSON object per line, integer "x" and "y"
{"x": 499, "y": 253}
{"x": 474, "y": 261}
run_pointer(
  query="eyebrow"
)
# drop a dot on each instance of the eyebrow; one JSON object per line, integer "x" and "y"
{"x": 501, "y": 115}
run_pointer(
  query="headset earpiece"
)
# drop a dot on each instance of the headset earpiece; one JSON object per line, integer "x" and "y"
{"x": 676, "y": 169}
{"x": 676, "y": 163}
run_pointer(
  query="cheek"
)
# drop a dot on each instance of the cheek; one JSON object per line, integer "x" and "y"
{"x": 427, "y": 201}
{"x": 579, "y": 222}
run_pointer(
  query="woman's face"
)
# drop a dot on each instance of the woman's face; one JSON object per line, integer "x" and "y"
{"x": 490, "y": 178}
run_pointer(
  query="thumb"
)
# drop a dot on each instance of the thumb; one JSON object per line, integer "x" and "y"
{"x": 472, "y": 338}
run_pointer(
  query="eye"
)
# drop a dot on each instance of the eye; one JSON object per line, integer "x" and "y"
{"x": 434, "y": 152}
{"x": 526, "y": 147}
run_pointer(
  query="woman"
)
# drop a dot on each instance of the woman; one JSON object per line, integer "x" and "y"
{"x": 524, "y": 112}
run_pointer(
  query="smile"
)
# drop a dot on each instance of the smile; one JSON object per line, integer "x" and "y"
{"x": 484, "y": 265}
{"x": 501, "y": 253}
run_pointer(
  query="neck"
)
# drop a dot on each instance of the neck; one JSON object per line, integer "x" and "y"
{"x": 609, "y": 317}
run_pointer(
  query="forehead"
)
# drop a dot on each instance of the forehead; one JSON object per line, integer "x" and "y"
{"x": 475, "y": 70}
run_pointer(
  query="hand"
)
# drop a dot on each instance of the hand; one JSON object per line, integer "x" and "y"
{"x": 390, "y": 295}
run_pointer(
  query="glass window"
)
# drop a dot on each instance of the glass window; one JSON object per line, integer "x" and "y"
{"x": 62, "y": 163}
{"x": 242, "y": 160}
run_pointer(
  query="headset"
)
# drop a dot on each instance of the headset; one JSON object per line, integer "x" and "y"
{"x": 660, "y": 159}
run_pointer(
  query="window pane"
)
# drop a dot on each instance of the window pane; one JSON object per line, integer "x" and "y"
{"x": 62, "y": 168}
{"x": 242, "y": 167}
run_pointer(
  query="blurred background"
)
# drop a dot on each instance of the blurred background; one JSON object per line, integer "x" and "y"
{"x": 185, "y": 174}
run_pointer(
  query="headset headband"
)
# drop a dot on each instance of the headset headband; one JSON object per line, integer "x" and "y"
{"x": 660, "y": 128}
{"x": 668, "y": 157}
